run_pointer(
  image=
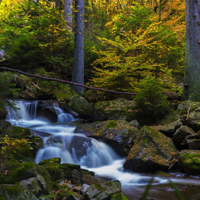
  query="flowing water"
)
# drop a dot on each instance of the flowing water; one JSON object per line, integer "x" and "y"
{"x": 59, "y": 140}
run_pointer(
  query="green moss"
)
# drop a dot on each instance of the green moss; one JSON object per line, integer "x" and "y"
{"x": 54, "y": 170}
{"x": 48, "y": 197}
{"x": 119, "y": 196}
{"x": 111, "y": 124}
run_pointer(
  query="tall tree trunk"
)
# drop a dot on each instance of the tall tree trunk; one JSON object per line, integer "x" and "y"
{"x": 68, "y": 13}
{"x": 192, "y": 50}
{"x": 78, "y": 70}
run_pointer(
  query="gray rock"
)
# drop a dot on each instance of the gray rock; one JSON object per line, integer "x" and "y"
{"x": 181, "y": 134}
{"x": 102, "y": 191}
{"x": 151, "y": 152}
{"x": 31, "y": 184}
{"x": 135, "y": 124}
{"x": 119, "y": 109}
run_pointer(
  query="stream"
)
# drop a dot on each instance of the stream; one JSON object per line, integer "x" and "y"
{"x": 59, "y": 140}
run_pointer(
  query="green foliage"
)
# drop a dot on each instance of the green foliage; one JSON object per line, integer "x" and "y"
{"x": 34, "y": 35}
{"x": 150, "y": 99}
{"x": 138, "y": 47}
{"x": 7, "y": 89}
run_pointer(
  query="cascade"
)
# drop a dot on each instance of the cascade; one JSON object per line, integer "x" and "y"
{"x": 59, "y": 140}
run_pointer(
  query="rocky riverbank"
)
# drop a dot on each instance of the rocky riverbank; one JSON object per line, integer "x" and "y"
{"x": 168, "y": 147}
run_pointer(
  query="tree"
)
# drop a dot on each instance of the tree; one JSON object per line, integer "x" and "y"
{"x": 192, "y": 51}
{"x": 78, "y": 69}
{"x": 68, "y": 13}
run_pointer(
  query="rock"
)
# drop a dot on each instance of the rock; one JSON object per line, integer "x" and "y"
{"x": 32, "y": 185}
{"x": 181, "y": 134}
{"x": 48, "y": 113}
{"x": 193, "y": 144}
{"x": 119, "y": 134}
{"x": 135, "y": 124}
{"x": 81, "y": 106}
{"x": 102, "y": 191}
{"x": 189, "y": 161}
{"x": 119, "y": 109}
{"x": 87, "y": 178}
{"x": 119, "y": 196}
{"x": 26, "y": 170}
{"x": 84, "y": 187}
{"x": 13, "y": 192}
{"x": 51, "y": 160}
{"x": 169, "y": 129}
{"x": 76, "y": 177}
{"x": 151, "y": 152}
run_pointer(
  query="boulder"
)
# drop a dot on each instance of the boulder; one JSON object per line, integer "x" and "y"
{"x": 119, "y": 134}
{"x": 119, "y": 196}
{"x": 47, "y": 113}
{"x": 119, "y": 109}
{"x": 15, "y": 191}
{"x": 81, "y": 106}
{"x": 189, "y": 161}
{"x": 151, "y": 152}
{"x": 32, "y": 185}
{"x": 169, "y": 129}
{"x": 190, "y": 112}
{"x": 102, "y": 191}
{"x": 26, "y": 170}
{"x": 180, "y": 136}
{"x": 135, "y": 124}
{"x": 193, "y": 144}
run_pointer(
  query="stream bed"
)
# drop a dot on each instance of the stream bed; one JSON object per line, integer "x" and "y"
{"x": 59, "y": 140}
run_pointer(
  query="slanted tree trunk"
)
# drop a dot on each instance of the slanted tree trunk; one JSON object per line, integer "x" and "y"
{"x": 68, "y": 13}
{"x": 78, "y": 69}
{"x": 192, "y": 50}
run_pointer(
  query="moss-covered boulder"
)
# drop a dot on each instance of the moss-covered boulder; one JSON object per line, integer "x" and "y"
{"x": 170, "y": 128}
{"x": 15, "y": 192}
{"x": 151, "y": 152}
{"x": 119, "y": 109}
{"x": 81, "y": 106}
{"x": 26, "y": 170}
{"x": 190, "y": 112}
{"x": 119, "y": 134}
{"x": 179, "y": 137}
{"x": 119, "y": 196}
{"x": 13, "y": 131}
{"x": 102, "y": 191}
{"x": 189, "y": 161}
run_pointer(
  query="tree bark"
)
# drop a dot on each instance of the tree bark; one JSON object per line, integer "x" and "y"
{"x": 68, "y": 13}
{"x": 78, "y": 69}
{"x": 192, "y": 50}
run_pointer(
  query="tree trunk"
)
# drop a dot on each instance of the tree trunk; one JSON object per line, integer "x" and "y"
{"x": 192, "y": 50}
{"x": 78, "y": 70}
{"x": 68, "y": 13}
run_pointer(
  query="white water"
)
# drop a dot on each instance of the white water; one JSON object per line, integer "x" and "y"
{"x": 59, "y": 140}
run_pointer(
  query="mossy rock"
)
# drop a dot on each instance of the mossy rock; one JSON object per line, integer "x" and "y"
{"x": 119, "y": 134}
{"x": 119, "y": 196}
{"x": 102, "y": 191}
{"x": 81, "y": 106}
{"x": 51, "y": 160}
{"x": 119, "y": 109}
{"x": 65, "y": 193}
{"x": 15, "y": 192}
{"x": 151, "y": 152}
{"x": 13, "y": 131}
{"x": 26, "y": 170}
{"x": 189, "y": 161}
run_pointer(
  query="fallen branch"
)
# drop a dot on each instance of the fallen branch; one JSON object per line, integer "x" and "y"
{"x": 64, "y": 81}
